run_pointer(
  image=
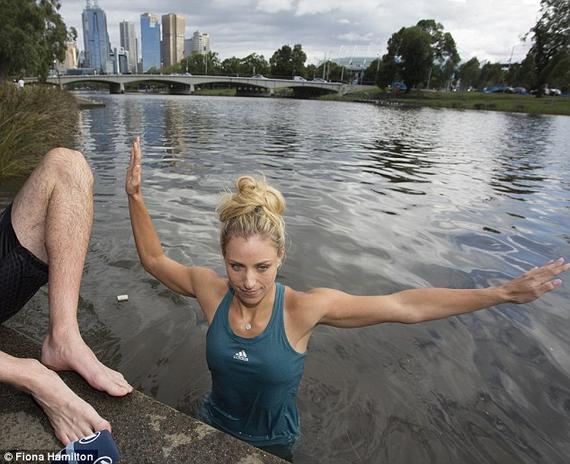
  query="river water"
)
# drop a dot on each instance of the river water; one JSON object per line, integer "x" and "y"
{"x": 379, "y": 200}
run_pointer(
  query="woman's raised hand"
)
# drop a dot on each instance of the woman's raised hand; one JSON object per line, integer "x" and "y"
{"x": 133, "y": 179}
{"x": 536, "y": 282}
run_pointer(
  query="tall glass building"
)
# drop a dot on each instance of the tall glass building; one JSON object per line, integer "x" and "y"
{"x": 129, "y": 43}
{"x": 96, "y": 38}
{"x": 150, "y": 41}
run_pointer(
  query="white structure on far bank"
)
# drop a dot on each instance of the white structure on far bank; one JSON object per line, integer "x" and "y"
{"x": 199, "y": 43}
{"x": 71, "y": 57}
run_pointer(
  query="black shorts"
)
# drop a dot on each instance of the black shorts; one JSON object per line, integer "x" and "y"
{"x": 21, "y": 273}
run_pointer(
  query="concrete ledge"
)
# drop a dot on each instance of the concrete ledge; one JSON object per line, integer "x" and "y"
{"x": 144, "y": 430}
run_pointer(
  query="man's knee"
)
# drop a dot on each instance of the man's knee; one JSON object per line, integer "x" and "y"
{"x": 69, "y": 165}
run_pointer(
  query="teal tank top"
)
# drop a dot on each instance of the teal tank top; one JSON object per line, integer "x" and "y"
{"x": 254, "y": 380}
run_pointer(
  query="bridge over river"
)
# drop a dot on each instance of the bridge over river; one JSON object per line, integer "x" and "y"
{"x": 185, "y": 84}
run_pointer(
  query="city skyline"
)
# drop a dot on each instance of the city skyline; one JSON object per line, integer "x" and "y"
{"x": 331, "y": 27}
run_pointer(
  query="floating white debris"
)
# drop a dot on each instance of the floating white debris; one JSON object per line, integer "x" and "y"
{"x": 122, "y": 297}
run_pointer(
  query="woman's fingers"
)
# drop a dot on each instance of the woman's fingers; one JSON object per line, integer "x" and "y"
{"x": 133, "y": 150}
{"x": 137, "y": 150}
{"x": 550, "y": 269}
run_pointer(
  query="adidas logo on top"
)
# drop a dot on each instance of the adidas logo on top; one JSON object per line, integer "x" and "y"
{"x": 241, "y": 355}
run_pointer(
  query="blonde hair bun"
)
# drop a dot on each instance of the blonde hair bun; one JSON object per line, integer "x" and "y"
{"x": 254, "y": 208}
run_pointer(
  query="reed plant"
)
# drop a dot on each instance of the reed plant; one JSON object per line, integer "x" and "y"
{"x": 32, "y": 121}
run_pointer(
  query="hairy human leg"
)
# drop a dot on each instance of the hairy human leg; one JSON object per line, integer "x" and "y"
{"x": 52, "y": 217}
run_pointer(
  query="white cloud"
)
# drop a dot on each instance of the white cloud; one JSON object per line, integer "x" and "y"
{"x": 355, "y": 37}
{"x": 274, "y": 6}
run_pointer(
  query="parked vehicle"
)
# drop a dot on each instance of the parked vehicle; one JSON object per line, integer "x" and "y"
{"x": 398, "y": 86}
{"x": 495, "y": 89}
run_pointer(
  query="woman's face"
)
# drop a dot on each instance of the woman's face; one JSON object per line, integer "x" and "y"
{"x": 251, "y": 265}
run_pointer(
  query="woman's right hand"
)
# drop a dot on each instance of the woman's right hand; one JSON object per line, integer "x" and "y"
{"x": 133, "y": 179}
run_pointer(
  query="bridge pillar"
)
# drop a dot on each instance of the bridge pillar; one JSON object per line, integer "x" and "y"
{"x": 180, "y": 89}
{"x": 117, "y": 88}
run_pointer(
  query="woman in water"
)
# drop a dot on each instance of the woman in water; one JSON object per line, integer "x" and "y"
{"x": 259, "y": 329}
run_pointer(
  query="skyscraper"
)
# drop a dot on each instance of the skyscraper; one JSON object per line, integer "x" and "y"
{"x": 96, "y": 38}
{"x": 129, "y": 43}
{"x": 71, "y": 55}
{"x": 173, "y": 27}
{"x": 200, "y": 43}
{"x": 150, "y": 41}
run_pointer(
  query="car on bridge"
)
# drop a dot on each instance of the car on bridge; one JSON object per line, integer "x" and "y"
{"x": 318, "y": 79}
{"x": 299, "y": 78}
{"x": 258, "y": 76}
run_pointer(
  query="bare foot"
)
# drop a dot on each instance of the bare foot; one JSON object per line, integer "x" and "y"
{"x": 70, "y": 416}
{"x": 70, "y": 353}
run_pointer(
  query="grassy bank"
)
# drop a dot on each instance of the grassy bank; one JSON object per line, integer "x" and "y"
{"x": 464, "y": 100}
{"x": 32, "y": 121}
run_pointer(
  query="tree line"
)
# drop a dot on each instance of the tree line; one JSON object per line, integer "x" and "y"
{"x": 33, "y": 35}
{"x": 425, "y": 56}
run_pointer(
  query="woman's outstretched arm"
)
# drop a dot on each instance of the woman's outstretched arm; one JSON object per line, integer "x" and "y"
{"x": 340, "y": 309}
{"x": 179, "y": 278}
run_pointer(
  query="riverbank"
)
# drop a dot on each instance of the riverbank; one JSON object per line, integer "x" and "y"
{"x": 461, "y": 100}
{"x": 32, "y": 121}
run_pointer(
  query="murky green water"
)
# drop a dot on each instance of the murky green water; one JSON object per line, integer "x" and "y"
{"x": 379, "y": 200}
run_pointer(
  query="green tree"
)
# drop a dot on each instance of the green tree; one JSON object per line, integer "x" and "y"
{"x": 371, "y": 72}
{"x": 445, "y": 56}
{"x": 311, "y": 71}
{"x": 513, "y": 75}
{"x": 231, "y": 66}
{"x": 299, "y": 57}
{"x": 469, "y": 73}
{"x": 550, "y": 40}
{"x": 388, "y": 71}
{"x": 410, "y": 53}
{"x": 288, "y": 62}
{"x": 559, "y": 72}
{"x": 526, "y": 73}
{"x": 32, "y": 35}
{"x": 330, "y": 71}
{"x": 491, "y": 74}
{"x": 196, "y": 63}
{"x": 254, "y": 64}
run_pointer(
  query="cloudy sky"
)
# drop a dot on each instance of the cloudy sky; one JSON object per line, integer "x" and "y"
{"x": 487, "y": 29}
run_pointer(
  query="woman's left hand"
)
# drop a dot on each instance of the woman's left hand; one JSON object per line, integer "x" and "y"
{"x": 133, "y": 178}
{"x": 535, "y": 283}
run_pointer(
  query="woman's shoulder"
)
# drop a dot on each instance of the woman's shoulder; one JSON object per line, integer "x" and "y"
{"x": 306, "y": 305}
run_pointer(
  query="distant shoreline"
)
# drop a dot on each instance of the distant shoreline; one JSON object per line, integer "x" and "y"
{"x": 433, "y": 99}
{"x": 462, "y": 101}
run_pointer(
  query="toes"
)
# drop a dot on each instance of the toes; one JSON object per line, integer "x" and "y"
{"x": 72, "y": 437}
{"x": 102, "y": 425}
{"x": 62, "y": 437}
